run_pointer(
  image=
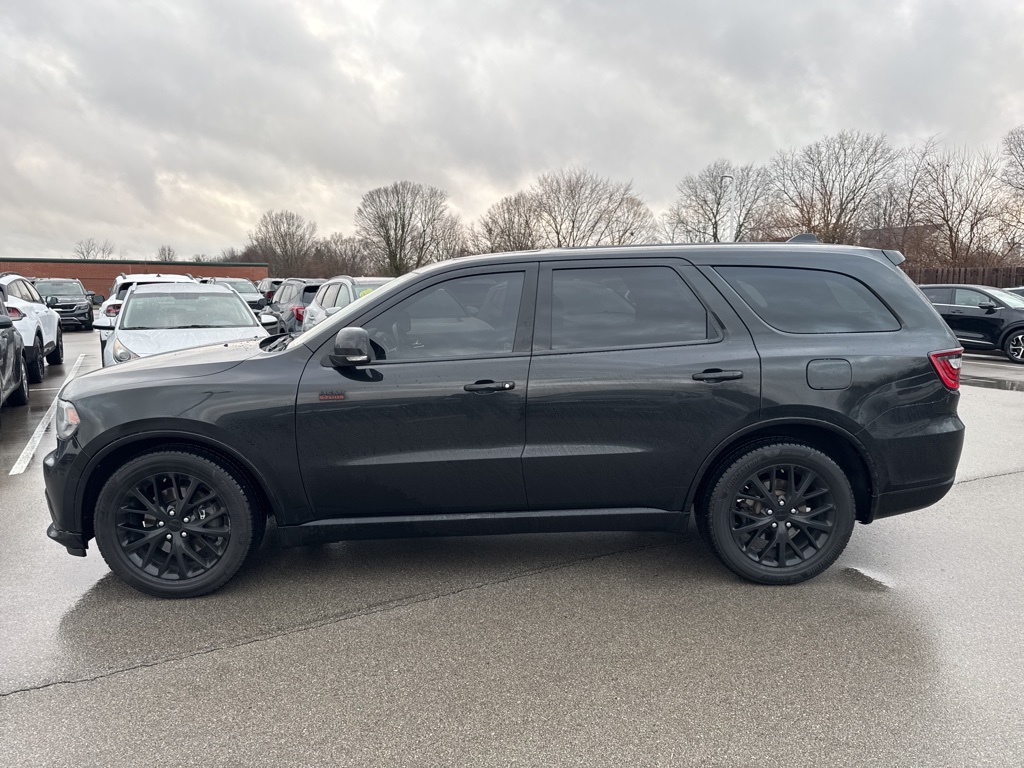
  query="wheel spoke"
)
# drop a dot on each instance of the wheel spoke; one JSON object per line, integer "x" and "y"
{"x": 150, "y": 507}
{"x": 206, "y": 499}
{"x": 761, "y": 524}
{"x": 138, "y": 543}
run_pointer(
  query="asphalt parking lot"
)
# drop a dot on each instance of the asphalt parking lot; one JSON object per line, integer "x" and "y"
{"x": 575, "y": 649}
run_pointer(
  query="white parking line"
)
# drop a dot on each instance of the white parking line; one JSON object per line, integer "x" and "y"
{"x": 33, "y": 442}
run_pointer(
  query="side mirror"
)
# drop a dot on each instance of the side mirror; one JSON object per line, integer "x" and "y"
{"x": 102, "y": 321}
{"x": 6, "y": 322}
{"x": 267, "y": 320}
{"x": 51, "y": 301}
{"x": 988, "y": 306}
{"x": 262, "y": 303}
{"x": 351, "y": 347}
{"x": 96, "y": 299}
{"x": 333, "y": 310}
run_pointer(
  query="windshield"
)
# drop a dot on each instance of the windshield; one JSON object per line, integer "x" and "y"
{"x": 122, "y": 290}
{"x": 60, "y": 288}
{"x": 240, "y": 284}
{"x": 185, "y": 310}
{"x": 1011, "y": 300}
{"x": 390, "y": 287}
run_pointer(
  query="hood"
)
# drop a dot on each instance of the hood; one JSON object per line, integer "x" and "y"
{"x": 146, "y": 343}
{"x": 184, "y": 364}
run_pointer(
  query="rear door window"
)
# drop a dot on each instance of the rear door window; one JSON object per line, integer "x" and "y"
{"x": 810, "y": 300}
{"x": 936, "y": 295}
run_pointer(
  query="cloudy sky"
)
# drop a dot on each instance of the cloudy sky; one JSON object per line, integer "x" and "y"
{"x": 182, "y": 121}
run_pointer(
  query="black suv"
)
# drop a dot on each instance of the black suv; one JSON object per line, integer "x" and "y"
{"x": 74, "y": 303}
{"x": 982, "y": 317}
{"x": 780, "y": 392}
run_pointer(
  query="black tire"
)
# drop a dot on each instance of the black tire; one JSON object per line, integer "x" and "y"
{"x": 1013, "y": 347}
{"x": 764, "y": 534}
{"x": 20, "y": 396}
{"x": 87, "y": 326}
{"x": 56, "y": 356}
{"x": 158, "y": 538}
{"x": 36, "y": 366}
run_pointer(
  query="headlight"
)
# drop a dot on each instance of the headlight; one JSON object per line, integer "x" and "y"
{"x": 83, "y": 305}
{"x": 67, "y": 419}
{"x": 121, "y": 353}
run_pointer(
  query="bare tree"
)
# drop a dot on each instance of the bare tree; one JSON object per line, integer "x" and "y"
{"x": 511, "y": 224}
{"x": 701, "y": 212}
{"x": 963, "y": 201}
{"x": 578, "y": 208}
{"x": 284, "y": 240}
{"x": 406, "y": 225}
{"x": 91, "y": 249}
{"x": 166, "y": 253}
{"x": 1013, "y": 157}
{"x": 825, "y": 186}
{"x": 340, "y": 255}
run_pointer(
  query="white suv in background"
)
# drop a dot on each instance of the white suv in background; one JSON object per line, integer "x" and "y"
{"x": 107, "y": 313}
{"x": 38, "y": 324}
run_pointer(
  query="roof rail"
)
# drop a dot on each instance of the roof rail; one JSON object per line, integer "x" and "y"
{"x": 806, "y": 237}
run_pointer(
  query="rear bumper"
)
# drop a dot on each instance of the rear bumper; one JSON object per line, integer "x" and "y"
{"x": 898, "y": 502}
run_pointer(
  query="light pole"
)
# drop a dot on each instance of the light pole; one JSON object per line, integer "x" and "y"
{"x": 730, "y": 226}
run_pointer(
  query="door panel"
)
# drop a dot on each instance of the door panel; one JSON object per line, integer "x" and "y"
{"x": 630, "y": 427}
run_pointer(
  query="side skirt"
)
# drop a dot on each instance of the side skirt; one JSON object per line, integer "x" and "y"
{"x": 481, "y": 524}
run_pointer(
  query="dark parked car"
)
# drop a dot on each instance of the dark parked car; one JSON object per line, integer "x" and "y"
{"x": 268, "y": 286}
{"x": 982, "y": 317}
{"x": 779, "y": 392}
{"x": 288, "y": 306}
{"x": 74, "y": 303}
{"x": 13, "y": 364}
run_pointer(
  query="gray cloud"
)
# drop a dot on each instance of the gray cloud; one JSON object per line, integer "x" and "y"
{"x": 181, "y": 123}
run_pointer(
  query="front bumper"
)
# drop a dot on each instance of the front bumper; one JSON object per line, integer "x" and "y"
{"x": 59, "y": 476}
{"x": 78, "y": 318}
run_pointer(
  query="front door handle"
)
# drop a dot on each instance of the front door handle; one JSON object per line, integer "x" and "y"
{"x": 716, "y": 374}
{"x": 486, "y": 385}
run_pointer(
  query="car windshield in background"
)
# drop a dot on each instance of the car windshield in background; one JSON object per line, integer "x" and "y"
{"x": 1011, "y": 300}
{"x": 185, "y": 310}
{"x": 364, "y": 285}
{"x": 239, "y": 284}
{"x": 122, "y": 290}
{"x": 59, "y": 288}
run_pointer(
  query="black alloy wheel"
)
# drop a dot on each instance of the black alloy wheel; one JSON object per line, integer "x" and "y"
{"x": 20, "y": 396}
{"x": 1014, "y": 346}
{"x": 36, "y": 366}
{"x": 176, "y": 524}
{"x": 56, "y": 356}
{"x": 780, "y": 514}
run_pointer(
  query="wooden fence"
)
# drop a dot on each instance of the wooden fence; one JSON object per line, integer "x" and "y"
{"x": 997, "y": 277}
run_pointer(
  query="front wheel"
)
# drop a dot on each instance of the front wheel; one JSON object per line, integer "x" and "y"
{"x": 56, "y": 356}
{"x": 21, "y": 394}
{"x": 779, "y": 514}
{"x": 176, "y": 524}
{"x": 1014, "y": 346}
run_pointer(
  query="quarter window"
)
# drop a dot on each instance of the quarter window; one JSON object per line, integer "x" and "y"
{"x": 810, "y": 300}
{"x": 344, "y": 298}
{"x": 615, "y": 307}
{"x": 433, "y": 324}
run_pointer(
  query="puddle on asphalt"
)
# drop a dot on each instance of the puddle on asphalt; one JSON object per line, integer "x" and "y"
{"x": 862, "y": 579}
{"x": 981, "y": 381}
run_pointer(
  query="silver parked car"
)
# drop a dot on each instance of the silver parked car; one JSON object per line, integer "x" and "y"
{"x": 173, "y": 316}
{"x": 336, "y": 293}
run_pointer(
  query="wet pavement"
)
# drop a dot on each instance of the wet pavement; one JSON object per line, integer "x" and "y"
{"x": 576, "y": 649}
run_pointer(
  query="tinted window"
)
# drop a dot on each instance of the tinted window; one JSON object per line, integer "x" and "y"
{"x": 615, "y": 307}
{"x": 433, "y": 324}
{"x": 936, "y": 295}
{"x": 286, "y": 293}
{"x": 327, "y": 295}
{"x": 810, "y": 300}
{"x": 965, "y": 297}
{"x": 33, "y": 294}
{"x": 308, "y": 292}
{"x": 14, "y": 290}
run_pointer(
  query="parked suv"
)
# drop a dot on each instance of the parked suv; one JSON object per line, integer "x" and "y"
{"x": 38, "y": 324}
{"x": 336, "y": 293}
{"x": 74, "y": 303}
{"x": 288, "y": 306}
{"x": 13, "y": 365}
{"x": 778, "y": 393}
{"x": 106, "y": 316}
{"x": 982, "y": 317}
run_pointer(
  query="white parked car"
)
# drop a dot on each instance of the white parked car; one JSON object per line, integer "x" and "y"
{"x": 336, "y": 293}
{"x": 171, "y": 316}
{"x": 37, "y": 323}
{"x": 106, "y": 316}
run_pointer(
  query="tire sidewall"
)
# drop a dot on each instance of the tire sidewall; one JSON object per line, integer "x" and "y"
{"x": 1006, "y": 346}
{"x": 231, "y": 493}
{"x": 719, "y": 514}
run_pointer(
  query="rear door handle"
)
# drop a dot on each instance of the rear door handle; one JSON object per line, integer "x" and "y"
{"x": 716, "y": 374}
{"x": 487, "y": 385}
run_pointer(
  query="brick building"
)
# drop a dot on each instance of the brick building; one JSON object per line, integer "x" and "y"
{"x": 97, "y": 275}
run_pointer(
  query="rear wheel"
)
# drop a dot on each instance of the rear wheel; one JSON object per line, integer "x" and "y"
{"x": 21, "y": 394}
{"x": 1014, "y": 346}
{"x": 779, "y": 514}
{"x": 56, "y": 356}
{"x": 35, "y": 366}
{"x": 176, "y": 524}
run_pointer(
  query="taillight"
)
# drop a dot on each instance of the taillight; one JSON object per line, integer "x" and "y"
{"x": 947, "y": 365}
{"x": 16, "y": 314}
{"x": 298, "y": 310}
{"x": 269, "y": 295}
{"x": 112, "y": 310}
